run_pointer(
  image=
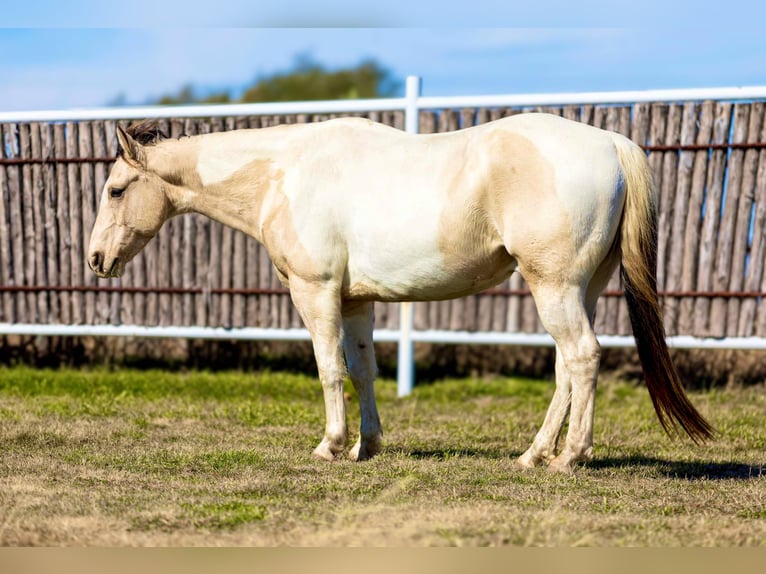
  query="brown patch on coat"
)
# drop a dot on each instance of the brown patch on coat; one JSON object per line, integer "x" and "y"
{"x": 525, "y": 207}
{"x": 255, "y": 203}
{"x": 502, "y": 211}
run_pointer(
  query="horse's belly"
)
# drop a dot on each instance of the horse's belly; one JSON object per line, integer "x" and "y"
{"x": 428, "y": 280}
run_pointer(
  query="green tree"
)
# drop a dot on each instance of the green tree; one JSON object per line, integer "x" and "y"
{"x": 310, "y": 80}
{"x": 307, "y": 80}
{"x": 188, "y": 95}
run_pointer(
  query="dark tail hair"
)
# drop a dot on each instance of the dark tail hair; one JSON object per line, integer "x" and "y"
{"x": 638, "y": 248}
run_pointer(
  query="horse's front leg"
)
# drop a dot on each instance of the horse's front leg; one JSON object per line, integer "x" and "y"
{"x": 320, "y": 308}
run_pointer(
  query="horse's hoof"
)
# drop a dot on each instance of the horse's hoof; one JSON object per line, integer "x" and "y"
{"x": 526, "y": 461}
{"x": 361, "y": 452}
{"x": 518, "y": 464}
{"x": 323, "y": 455}
{"x": 324, "y": 452}
{"x": 558, "y": 466}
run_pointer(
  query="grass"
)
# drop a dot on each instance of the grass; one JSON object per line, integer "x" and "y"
{"x": 165, "y": 458}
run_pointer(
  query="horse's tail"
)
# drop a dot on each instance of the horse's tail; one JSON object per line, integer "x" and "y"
{"x": 638, "y": 250}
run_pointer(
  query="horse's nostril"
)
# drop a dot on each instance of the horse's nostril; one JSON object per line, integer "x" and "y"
{"x": 96, "y": 260}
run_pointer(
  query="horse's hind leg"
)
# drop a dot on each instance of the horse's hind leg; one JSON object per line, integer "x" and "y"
{"x": 360, "y": 359}
{"x": 564, "y": 315}
{"x": 543, "y": 448}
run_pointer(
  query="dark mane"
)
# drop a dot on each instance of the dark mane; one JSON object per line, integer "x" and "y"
{"x": 146, "y": 132}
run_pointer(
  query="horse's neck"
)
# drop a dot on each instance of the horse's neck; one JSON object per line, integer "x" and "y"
{"x": 228, "y": 177}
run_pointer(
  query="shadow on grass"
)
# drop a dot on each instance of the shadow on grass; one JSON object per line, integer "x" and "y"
{"x": 447, "y": 453}
{"x": 686, "y": 470}
{"x": 673, "y": 469}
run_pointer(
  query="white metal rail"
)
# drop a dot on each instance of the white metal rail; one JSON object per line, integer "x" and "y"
{"x": 411, "y": 103}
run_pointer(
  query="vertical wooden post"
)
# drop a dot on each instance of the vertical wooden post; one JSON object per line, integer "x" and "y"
{"x": 6, "y": 250}
{"x": 694, "y": 219}
{"x": 50, "y": 199}
{"x": 711, "y": 221}
{"x": 725, "y": 239}
{"x": 16, "y": 223}
{"x": 740, "y": 244}
{"x": 679, "y": 216}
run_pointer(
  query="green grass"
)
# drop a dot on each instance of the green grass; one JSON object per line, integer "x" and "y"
{"x": 196, "y": 458}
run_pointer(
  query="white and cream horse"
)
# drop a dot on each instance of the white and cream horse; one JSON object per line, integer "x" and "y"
{"x": 351, "y": 212}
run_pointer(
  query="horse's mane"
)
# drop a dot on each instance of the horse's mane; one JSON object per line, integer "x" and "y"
{"x": 146, "y": 132}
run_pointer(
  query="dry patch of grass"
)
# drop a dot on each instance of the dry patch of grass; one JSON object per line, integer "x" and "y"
{"x": 158, "y": 458}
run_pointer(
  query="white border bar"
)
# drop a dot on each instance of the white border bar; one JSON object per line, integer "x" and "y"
{"x": 380, "y": 336}
{"x": 581, "y": 98}
{"x": 206, "y": 110}
{"x": 387, "y": 104}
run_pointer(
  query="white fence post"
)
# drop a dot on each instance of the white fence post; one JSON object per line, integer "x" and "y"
{"x": 405, "y": 374}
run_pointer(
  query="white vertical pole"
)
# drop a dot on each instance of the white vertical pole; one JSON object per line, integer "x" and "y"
{"x": 405, "y": 376}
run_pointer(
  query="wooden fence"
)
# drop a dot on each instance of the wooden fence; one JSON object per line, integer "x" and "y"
{"x": 708, "y": 158}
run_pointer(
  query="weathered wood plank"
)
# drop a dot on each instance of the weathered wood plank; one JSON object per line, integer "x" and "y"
{"x": 37, "y": 186}
{"x": 676, "y": 237}
{"x": 695, "y": 218}
{"x": 6, "y": 248}
{"x": 50, "y": 199}
{"x": 16, "y": 223}
{"x": 711, "y": 219}
{"x": 757, "y": 279}
{"x": 725, "y": 240}
{"x": 571, "y": 113}
{"x": 741, "y": 240}
{"x": 667, "y": 192}
{"x": 31, "y": 249}
{"x": 76, "y": 256}
{"x": 62, "y": 216}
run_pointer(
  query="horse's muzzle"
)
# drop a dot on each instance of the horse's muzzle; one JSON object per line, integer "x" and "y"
{"x": 97, "y": 263}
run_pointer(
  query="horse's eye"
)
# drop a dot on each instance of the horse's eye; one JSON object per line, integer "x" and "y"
{"x": 116, "y": 192}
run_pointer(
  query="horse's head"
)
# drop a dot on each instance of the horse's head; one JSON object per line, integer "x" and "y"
{"x": 134, "y": 204}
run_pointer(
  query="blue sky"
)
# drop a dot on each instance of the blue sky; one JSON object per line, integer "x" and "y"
{"x": 83, "y": 53}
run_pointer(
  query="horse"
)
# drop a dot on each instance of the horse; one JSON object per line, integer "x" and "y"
{"x": 351, "y": 212}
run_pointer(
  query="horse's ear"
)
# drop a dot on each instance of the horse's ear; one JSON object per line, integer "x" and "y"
{"x": 129, "y": 148}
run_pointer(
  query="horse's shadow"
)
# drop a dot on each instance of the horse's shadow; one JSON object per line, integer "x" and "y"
{"x": 685, "y": 470}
